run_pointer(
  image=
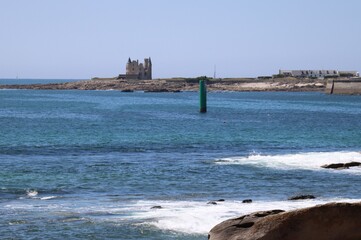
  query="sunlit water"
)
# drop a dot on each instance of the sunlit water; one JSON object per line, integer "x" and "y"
{"x": 92, "y": 164}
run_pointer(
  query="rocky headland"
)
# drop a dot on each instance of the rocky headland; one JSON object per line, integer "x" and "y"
{"x": 332, "y": 221}
{"x": 182, "y": 84}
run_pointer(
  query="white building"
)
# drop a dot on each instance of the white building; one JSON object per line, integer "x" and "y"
{"x": 318, "y": 73}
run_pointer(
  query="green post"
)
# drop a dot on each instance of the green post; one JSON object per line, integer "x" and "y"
{"x": 202, "y": 96}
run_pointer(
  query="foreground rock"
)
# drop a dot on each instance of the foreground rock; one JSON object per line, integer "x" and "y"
{"x": 340, "y": 166}
{"x": 331, "y": 221}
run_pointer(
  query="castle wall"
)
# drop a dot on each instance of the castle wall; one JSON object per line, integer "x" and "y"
{"x": 136, "y": 70}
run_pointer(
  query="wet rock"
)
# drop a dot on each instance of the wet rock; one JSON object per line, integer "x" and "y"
{"x": 156, "y": 207}
{"x": 127, "y": 90}
{"x": 247, "y": 201}
{"x": 214, "y": 202}
{"x": 340, "y": 166}
{"x": 302, "y": 197}
{"x": 156, "y": 90}
{"x": 322, "y": 222}
{"x": 352, "y": 164}
{"x": 334, "y": 166}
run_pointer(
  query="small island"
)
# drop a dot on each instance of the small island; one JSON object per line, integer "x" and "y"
{"x": 138, "y": 77}
{"x": 182, "y": 84}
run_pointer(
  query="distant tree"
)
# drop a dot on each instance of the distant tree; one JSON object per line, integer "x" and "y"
{"x": 203, "y": 78}
{"x": 278, "y": 76}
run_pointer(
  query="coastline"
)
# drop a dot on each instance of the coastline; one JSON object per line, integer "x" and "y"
{"x": 182, "y": 84}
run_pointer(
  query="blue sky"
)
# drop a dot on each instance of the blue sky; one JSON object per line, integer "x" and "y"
{"x": 243, "y": 38}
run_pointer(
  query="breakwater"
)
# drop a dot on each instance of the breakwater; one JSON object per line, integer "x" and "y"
{"x": 344, "y": 86}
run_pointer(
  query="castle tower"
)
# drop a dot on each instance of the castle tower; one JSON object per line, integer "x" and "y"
{"x": 128, "y": 67}
{"x": 136, "y": 70}
{"x": 148, "y": 68}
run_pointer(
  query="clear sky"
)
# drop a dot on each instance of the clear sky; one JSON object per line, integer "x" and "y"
{"x": 243, "y": 38}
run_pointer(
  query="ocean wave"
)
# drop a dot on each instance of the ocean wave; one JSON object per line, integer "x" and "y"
{"x": 31, "y": 193}
{"x": 48, "y": 197}
{"x": 184, "y": 217}
{"x": 200, "y": 217}
{"x": 307, "y": 161}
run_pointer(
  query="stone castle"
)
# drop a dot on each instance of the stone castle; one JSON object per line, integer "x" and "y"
{"x": 136, "y": 70}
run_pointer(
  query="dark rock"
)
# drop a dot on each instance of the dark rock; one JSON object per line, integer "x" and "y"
{"x": 302, "y": 197}
{"x": 214, "y": 202}
{"x": 340, "y": 166}
{"x": 247, "y": 201}
{"x": 334, "y": 166}
{"x": 127, "y": 90}
{"x": 156, "y": 90}
{"x": 352, "y": 164}
{"x": 156, "y": 207}
{"x": 331, "y": 221}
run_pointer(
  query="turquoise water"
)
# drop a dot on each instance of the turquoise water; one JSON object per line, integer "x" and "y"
{"x": 92, "y": 164}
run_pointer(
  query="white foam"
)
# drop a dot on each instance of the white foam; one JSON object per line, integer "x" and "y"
{"x": 199, "y": 217}
{"x": 48, "y": 198}
{"x": 186, "y": 217}
{"x": 31, "y": 193}
{"x": 310, "y": 160}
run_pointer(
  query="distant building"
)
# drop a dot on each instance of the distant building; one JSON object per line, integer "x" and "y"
{"x": 136, "y": 70}
{"x": 318, "y": 73}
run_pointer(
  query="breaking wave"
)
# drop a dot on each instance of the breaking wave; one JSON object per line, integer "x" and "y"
{"x": 308, "y": 161}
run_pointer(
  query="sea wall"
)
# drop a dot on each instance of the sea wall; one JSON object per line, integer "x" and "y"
{"x": 344, "y": 86}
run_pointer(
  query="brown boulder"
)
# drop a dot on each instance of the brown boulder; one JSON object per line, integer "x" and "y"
{"x": 332, "y": 221}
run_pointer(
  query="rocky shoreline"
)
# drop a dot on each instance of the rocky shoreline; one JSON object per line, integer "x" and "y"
{"x": 178, "y": 85}
{"x": 321, "y": 222}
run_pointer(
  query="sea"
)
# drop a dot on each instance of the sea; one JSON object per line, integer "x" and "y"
{"x": 114, "y": 165}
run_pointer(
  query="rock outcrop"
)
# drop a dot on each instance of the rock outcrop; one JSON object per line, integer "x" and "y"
{"x": 331, "y": 221}
{"x": 302, "y": 197}
{"x": 340, "y": 166}
{"x": 181, "y": 84}
{"x": 156, "y": 207}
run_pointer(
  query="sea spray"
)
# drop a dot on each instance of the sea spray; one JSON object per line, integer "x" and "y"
{"x": 306, "y": 161}
{"x": 31, "y": 193}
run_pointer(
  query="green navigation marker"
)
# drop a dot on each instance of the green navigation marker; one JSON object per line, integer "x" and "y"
{"x": 202, "y": 96}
